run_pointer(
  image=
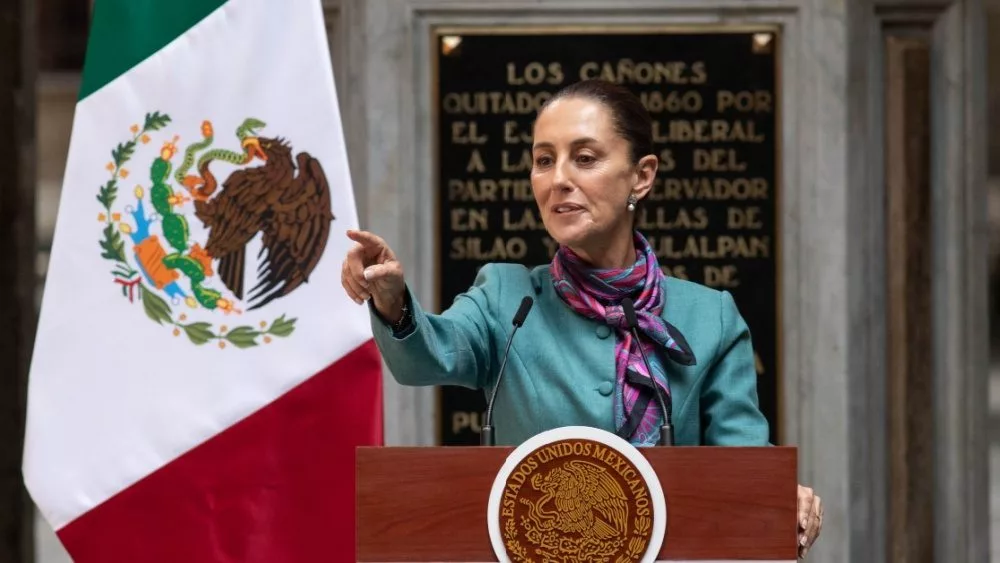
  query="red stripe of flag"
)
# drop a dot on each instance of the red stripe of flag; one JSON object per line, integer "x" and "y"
{"x": 277, "y": 486}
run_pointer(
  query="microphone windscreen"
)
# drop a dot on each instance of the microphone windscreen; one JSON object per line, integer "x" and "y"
{"x": 629, "y": 310}
{"x": 522, "y": 311}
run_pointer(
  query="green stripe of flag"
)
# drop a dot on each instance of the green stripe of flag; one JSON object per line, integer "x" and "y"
{"x": 125, "y": 32}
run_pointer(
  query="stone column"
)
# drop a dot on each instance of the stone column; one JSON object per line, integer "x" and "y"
{"x": 835, "y": 324}
{"x": 960, "y": 300}
{"x": 17, "y": 278}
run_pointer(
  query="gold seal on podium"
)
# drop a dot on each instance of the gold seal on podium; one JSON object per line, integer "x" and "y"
{"x": 576, "y": 494}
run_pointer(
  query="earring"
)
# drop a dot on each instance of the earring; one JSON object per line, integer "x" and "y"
{"x": 631, "y": 202}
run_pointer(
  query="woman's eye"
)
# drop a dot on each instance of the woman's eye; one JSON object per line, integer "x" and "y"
{"x": 585, "y": 159}
{"x": 543, "y": 161}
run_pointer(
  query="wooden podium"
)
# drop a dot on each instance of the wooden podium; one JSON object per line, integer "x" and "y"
{"x": 430, "y": 503}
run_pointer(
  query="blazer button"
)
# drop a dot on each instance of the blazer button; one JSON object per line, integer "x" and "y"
{"x": 605, "y": 388}
{"x": 603, "y": 331}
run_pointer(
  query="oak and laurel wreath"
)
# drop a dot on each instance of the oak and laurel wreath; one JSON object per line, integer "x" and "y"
{"x": 637, "y": 545}
{"x": 514, "y": 548}
{"x": 155, "y": 307}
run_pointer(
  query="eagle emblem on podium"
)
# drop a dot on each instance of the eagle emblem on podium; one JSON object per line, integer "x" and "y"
{"x": 574, "y": 501}
{"x": 181, "y": 243}
{"x": 579, "y": 498}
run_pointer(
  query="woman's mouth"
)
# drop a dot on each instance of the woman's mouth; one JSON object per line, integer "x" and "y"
{"x": 566, "y": 208}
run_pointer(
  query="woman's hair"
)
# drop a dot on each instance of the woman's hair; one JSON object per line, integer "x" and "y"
{"x": 630, "y": 118}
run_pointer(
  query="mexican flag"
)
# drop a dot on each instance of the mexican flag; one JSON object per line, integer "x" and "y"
{"x": 200, "y": 380}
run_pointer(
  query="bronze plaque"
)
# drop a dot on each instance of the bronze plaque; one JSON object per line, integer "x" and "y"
{"x": 712, "y": 216}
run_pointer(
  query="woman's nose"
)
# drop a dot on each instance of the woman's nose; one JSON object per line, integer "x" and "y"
{"x": 560, "y": 178}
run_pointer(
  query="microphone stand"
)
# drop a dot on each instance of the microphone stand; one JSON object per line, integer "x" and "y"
{"x": 486, "y": 436}
{"x": 666, "y": 404}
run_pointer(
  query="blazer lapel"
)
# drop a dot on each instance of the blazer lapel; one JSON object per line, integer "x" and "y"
{"x": 679, "y": 377}
{"x": 684, "y": 356}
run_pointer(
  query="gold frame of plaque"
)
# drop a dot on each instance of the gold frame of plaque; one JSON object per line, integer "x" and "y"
{"x": 774, "y": 48}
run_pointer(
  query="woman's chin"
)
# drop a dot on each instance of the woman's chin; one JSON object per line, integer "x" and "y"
{"x": 573, "y": 236}
{"x": 560, "y": 233}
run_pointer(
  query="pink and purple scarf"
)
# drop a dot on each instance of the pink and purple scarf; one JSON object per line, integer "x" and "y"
{"x": 597, "y": 294}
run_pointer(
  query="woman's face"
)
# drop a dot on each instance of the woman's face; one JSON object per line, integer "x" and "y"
{"x": 582, "y": 175}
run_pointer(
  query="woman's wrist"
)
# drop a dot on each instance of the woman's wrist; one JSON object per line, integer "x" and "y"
{"x": 392, "y": 311}
{"x": 397, "y": 315}
{"x": 404, "y": 322}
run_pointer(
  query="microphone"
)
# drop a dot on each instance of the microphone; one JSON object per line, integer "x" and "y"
{"x": 666, "y": 404}
{"x": 486, "y": 434}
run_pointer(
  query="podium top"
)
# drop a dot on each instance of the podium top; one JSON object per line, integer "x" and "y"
{"x": 430, "y": 503}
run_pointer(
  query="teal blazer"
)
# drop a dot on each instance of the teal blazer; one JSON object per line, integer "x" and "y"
{"x": 561, "y": 369}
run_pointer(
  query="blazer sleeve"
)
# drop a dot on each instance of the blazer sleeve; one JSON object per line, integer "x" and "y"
{"x": 730, "y": 411}
{"x": 452, "y": 348}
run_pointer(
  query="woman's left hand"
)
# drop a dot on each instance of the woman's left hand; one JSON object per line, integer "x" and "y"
{"x": 810, "y": 518}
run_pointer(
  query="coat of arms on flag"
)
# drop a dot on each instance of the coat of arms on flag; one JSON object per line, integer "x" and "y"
{"x": 166, "y": 239}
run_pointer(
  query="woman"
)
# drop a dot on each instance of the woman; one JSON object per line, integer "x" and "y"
{"x": 593, "y": 163}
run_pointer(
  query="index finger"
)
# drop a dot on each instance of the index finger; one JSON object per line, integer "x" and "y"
{"x": 365, "y": 239}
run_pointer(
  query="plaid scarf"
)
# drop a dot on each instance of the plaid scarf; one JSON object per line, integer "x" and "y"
{"x": 597, "y": 294}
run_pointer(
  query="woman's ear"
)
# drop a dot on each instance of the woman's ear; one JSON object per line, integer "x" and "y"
{"x": 645, "y": 174}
